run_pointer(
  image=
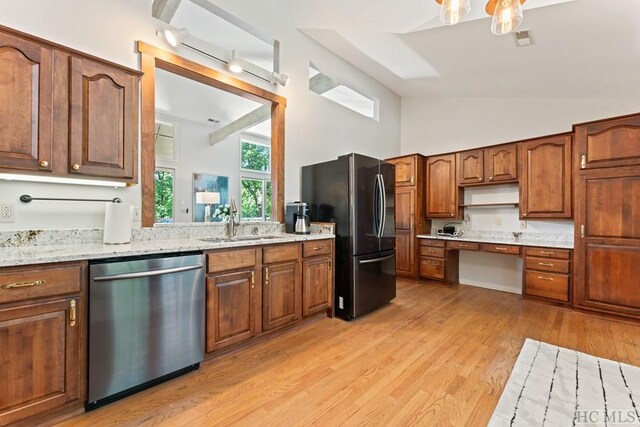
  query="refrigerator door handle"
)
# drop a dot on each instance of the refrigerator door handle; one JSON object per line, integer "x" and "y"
{"x": 371, "y": 261}
{"x": 376, "y": 209}
{"x": 384, "y": 205}
{"x": 380, "y": 206}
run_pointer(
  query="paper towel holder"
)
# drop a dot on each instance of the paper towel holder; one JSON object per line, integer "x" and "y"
{"x": 25, "y": 198}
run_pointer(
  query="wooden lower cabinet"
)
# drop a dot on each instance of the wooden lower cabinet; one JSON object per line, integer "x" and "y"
{"x": 233, "y": 308}
{"x": 317, "y": 285}
{"x": 437, "y": 263}
{"x": 281, "y": 302}
{"x": 405, "y": 253}
{"x": 42, "y": 342}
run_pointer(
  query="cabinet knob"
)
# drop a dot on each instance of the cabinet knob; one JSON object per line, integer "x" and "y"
{"x": 490, "y": 178}
{"x": 44, "y": 163}
{"x": 75, "y": 167}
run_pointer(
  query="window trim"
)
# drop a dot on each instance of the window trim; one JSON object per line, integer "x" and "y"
{"x": 176, "y": 127}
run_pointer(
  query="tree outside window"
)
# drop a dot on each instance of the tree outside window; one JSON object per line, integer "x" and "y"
{"x": 255, "y": 158}
{"x": 164, "y": 180}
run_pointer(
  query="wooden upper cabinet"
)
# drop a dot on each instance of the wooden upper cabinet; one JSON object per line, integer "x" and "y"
{"x": 406, "y": 170}
{"x": 103, "y": 120}
{"x": 501, "y": 164}
{"x": 26, "y": 109}
{"x": 608, "y": 143}
{"x": 442, "y": 189}
{"x": 545, "y": 181}
{"x": 470, "y": 167}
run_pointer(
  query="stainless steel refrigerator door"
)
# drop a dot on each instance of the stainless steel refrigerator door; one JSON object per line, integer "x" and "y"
{"x": 366, "y": 204}
{"x": 374, "y": 281}
{"x": 388, "y": 235}
{"x": 146, "y": 320}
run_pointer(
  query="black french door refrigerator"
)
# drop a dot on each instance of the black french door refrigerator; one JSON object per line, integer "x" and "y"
{"x": 357, "y": 193}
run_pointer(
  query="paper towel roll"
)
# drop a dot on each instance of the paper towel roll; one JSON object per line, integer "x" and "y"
{"x": 118, "y": 219}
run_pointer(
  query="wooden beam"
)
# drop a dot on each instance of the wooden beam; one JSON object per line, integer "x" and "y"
{"x": 247, "y": 121}
{"x": 164, "y": 10}
{"x": 321, "y": 83}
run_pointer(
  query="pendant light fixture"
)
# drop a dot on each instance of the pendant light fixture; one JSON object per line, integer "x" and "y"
{"x": 507, "y": 15}
{"x": 453, "y": 11}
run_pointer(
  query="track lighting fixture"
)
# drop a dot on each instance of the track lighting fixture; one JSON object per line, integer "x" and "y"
{"x": 175, "y": 37}
{"x": 234, "y": 64}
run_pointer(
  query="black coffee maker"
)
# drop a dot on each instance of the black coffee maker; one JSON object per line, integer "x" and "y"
{"x": 297, "y": 218}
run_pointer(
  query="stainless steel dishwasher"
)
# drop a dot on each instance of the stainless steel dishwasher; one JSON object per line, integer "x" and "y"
{"x": 146, "y": 323}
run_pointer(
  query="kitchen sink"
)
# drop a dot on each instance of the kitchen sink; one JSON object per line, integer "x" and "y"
{"x": 239, "y": 238}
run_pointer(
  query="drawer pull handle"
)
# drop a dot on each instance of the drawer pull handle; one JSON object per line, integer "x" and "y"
{"x": 23, "y": 284}
{"x": 317, "y": 248}
{"x": 253, "y": 279}
{"x": 501, "y": 249}
{"x": 463, "y": 246}
{"x": 44, "y": 164}
{"x": 547, "y": 252}
{"x": 549, "y": 279}
{"x": 72, "y": 313}
{"x": 546, "y": 264}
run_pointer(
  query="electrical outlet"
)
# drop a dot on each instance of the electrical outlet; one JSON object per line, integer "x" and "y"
{"x": 523, "y": 225}
{"x": 7, "y": 212}
{"x": 136, "y": 214}
{"x": 498, "y": 221}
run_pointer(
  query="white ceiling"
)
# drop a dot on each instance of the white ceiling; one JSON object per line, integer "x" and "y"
{"x": 584, "y": 48}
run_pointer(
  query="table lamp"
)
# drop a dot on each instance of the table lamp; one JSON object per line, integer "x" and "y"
{"x": 207, "y": 198}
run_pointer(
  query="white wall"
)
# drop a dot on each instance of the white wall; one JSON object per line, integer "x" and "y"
{"x": 316, "y": 128}
{"x": 439, "y": 125}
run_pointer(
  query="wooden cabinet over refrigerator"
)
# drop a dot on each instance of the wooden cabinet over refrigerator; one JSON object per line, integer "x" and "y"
{"x": 607, "y": 249}
{"x": 410, "y": 214}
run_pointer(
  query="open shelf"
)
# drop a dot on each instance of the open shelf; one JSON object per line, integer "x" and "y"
{"x": 490, "y": 205}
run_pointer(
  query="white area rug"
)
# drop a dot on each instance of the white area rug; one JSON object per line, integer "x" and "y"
{"x": 555, "y": 386}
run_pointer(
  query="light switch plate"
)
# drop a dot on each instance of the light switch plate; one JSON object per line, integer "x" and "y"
{"x": 7, "y": 212}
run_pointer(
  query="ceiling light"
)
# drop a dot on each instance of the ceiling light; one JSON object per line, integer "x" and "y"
{"x": 175, "y": 37}
{"x": 282, "y": 79}
{"x": 507, "y": 16}
{"x": 235, "y": 65}
{"x": 60, "y": 180}
{"x": 453, "y": 11}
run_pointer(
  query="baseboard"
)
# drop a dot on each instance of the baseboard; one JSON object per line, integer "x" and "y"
{"x": 494, "y": 287}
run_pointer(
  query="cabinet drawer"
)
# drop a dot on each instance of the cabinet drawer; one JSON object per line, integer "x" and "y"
{"x": 545, "y": 264}
{"x": 465, "y": 246}
{"x": 547, "y": 285}
{"x": 548, "y": 253}
{"x": 431, "y": 242}
{"x": 230, "y": 260}
{"x": 501, "y": 249}
{"x": 19, "y": 284}
{"x": 432, "y": 268}
{"x": 279, "y": 253}
{"x": 317, "y": 247}
{"x": 431, "y": 252}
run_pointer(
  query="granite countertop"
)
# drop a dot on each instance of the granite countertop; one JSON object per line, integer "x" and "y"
{"x": 25, "y": 255}
{"x": 538, "y": 241}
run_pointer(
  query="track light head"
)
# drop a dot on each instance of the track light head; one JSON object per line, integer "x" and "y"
{"x": 235, "y": 64}
{"x": 175, "y": 37}
{"x": 281, "y": 79}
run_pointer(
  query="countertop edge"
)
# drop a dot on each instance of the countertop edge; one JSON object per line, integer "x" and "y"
{"x": 33, "y": 255}
{"x": 533, "y": 244}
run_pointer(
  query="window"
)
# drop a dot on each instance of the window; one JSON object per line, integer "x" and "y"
{"x": 164, "y": 180}
{"x": 255, "y": 157}
{"x": 256, "y": 199}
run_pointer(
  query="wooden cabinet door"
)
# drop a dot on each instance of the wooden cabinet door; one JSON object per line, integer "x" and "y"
{"x": 406, "y": 171}
{"x": 281, "y": 295}
{"x": 470, "y": 167}
{"x": 501, "y": 164}
{"x": 545, "y": 180}
{"x": 317, "y": 289}
{"x": 405, "y": 208}
{"x": 40, "y": 359}
{"x": 607, "y": 246}
{"x": 26, "y": 109}
{"x": 233, "y": 308}
{"x": 442, "y": 189}
{"x": 608, "y": 143}
{"x": 103, "y": 120}
{"x": 405, "y": 253}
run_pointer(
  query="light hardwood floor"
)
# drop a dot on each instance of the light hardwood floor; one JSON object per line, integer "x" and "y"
{"x": 434, "y": 356}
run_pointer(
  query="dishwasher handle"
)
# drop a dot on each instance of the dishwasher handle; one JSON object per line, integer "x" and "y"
{"x": 142, "y": 274}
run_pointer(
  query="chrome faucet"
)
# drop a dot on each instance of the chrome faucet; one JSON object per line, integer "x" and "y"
{"x": 233, "y": 211}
